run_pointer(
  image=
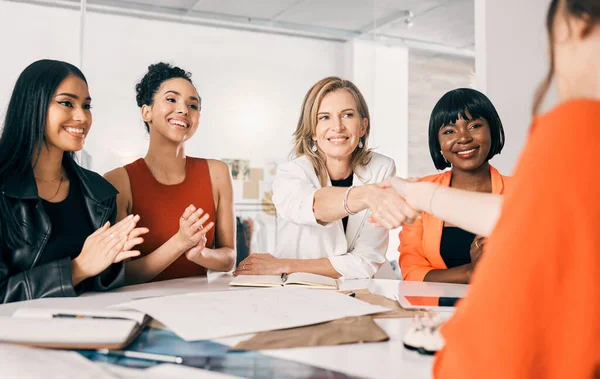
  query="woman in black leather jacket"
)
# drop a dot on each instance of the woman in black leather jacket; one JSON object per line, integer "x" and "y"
{"x": 55, "y": 216}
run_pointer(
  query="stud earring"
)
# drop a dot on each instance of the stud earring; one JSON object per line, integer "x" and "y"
{"x": 360, "y": 144}
{"x": 314, "y": 147}
{"x": 445, "y": 160}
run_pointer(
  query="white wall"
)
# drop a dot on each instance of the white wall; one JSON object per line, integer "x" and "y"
{"x": 252, "y": 84}
{"x": 29, "y": 33}
{"x": 511, "y": 61}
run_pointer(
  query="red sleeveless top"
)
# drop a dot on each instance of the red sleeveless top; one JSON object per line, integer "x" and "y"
{"x": 160, "y": 207}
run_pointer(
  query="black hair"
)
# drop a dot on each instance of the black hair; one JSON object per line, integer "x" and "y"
{"x": 457, "y": 103}
{"x": 23, "y": 134}
{"x": 150, "y": 83}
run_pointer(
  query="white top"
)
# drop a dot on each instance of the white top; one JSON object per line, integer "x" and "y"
{"x": 356, "y": 254}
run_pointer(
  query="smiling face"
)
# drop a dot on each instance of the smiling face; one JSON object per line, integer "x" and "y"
{"x": 466, "y": 144}
{"x": 69, "y": 118}
{"x": 175, "y": 110}
{"x": 339, "y": 125}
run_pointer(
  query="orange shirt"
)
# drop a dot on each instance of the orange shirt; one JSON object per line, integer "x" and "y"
{"x": 160, "y": 207}
{"x": 420, "y": 241}
{"x": 533, "y": 309}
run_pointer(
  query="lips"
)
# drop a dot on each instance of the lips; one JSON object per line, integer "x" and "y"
{"x": 179, "y": 122}
{"x": 75, "y": 131}
{"x": 466, "y": 154}
{"x": 338, "y": 140}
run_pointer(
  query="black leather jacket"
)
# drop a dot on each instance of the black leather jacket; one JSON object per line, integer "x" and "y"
{"x": 21, "y": 277}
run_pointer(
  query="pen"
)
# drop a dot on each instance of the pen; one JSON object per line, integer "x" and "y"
{"x": 65, "y": 315}
{"x": 140, "y": 355}
{"x": 351, "y": 294}
{"x": 284, "y": 276}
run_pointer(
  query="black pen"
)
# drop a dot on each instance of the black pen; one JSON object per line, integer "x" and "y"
{"x": 284, "y": 276}
{"x": 66, "y": 315}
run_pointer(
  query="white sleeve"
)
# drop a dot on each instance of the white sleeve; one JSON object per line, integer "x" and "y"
{"x": 293, "y": 195}
{"x": 369, "y": 250}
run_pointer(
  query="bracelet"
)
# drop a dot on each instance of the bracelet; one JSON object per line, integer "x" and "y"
{"x": 345, "y": 203}
{"x": 431, "y": 198}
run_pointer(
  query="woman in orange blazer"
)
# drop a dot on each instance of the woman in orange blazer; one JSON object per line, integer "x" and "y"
{"x": 465, "y": 132}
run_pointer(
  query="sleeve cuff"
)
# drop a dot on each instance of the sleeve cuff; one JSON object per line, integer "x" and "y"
{"x": 306, "y": 215}
{"x": 348, "y": 268}
{"x": 417, "y": 274}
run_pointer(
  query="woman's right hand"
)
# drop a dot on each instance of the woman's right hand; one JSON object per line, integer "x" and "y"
{"x": 192, "y": 228}
{"x": 105, "y": 247}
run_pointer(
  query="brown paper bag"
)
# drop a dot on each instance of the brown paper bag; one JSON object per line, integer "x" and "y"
{"x": 338, "y": 332}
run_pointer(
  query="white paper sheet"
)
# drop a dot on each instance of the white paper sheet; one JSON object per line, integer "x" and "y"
{"x": 64, "y": 331}
{"x": 209, "y": 315}
{"x": 29, "y": 363}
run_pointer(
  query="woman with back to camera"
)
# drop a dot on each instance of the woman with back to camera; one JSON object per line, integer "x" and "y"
{"x": 533, "y": 308}
{"x": 186, "y": 202}
{"x": 56, "y": 237}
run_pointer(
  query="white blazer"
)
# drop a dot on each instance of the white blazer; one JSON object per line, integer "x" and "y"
{"x": 356, "y": 254}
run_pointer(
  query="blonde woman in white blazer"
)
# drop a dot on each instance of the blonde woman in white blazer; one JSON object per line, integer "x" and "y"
{"x": 324, "y": 196}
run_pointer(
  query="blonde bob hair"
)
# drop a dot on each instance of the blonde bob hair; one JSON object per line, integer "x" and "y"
{"x": 307, "y": 124}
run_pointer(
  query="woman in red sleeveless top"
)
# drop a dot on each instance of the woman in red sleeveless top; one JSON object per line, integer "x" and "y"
{"x": 187, "y": 203}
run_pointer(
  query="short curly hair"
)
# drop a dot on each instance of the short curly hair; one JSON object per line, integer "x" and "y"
{"x": 150, "y": 83}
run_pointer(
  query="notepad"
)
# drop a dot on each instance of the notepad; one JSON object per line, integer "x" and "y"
{"x": 303, "y": 279}
{"x": 72, "y": 328}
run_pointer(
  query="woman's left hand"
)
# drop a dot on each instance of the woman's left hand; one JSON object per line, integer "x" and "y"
{"x": 262, "y": 264}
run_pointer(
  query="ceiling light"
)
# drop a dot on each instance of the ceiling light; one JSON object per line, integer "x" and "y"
{"x": 408, "y": 21}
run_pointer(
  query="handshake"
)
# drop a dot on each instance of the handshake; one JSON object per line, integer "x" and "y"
{"x": 396, "y": 201}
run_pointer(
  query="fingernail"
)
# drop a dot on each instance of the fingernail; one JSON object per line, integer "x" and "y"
{"x": 130, "y": 216}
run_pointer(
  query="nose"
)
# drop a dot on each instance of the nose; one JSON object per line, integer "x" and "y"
{"x": 81, "y": 115}
{"x": 464, "y": 136}
{"x": 182, "y": 108}
{"x": 337, "y": 123}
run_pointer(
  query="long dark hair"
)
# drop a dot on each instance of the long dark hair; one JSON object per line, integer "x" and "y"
{"x": 583, "y": 9}
{"x": 23, "y": 134}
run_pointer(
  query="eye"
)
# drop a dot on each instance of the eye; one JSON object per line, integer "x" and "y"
{"x": 87, "y": 106}
{"x": 323, "y": 118}
{"x": 476, "y": 126}
{"x": 171, "y": 100}
{"x": 66, "y": 103}
{"x": 448, "y": 131}
{"x": 194, "y": 106}
{"x": 349, "y": 115}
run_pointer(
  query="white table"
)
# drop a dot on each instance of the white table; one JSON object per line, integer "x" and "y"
{"x": 378, "y": 360}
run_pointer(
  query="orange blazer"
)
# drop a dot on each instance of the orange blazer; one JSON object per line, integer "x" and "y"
{"x": 420, "y": 242}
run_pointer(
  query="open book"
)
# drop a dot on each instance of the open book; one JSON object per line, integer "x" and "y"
{"x": 72, "y": 328}
{"x": 295, "y": 279}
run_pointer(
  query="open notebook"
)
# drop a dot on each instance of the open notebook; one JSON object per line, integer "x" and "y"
{"x": 72, "y": 328}
{"x": 296, "y": 279}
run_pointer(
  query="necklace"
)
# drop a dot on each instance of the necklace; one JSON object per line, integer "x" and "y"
{"x": 51, "y": 180}
{"x": 59, "y": 185}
